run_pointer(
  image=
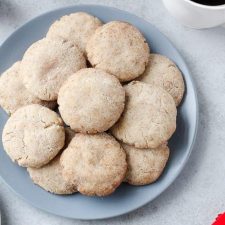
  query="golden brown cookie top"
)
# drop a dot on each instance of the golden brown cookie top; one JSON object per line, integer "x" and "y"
{"x": 50, "y": 178}
{"x": 145, "y": 165}
{"x": 120, "y": 49}
{"x": 47, "y": 64}
{"x": 76, "y": 27}
{"x": 162, "y": 72}
{"x": 91, "y": 101}
{"x": 96, "y": 164}
{"x": 149, "y": 117}
{"x": 14, "y": 95}
{"x": 33, "y": 135}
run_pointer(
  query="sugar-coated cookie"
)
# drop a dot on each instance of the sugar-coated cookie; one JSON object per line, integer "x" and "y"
{"x": 163, "y": 72}
{"x": 14, "y": 95}
{"x": 76, "y": 27}
{"x": 120, "y": 49}
{"x": 47, "y": 64}
{"x": 50, "y": 178}
{"x": 149, "y": 117}
{"x": 145, "y": 165}
{"x": 33, "y": 135}
{"x": 96, "y": 164}
{"x": 91, "y": 101}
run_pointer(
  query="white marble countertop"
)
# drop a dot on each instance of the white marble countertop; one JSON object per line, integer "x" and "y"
{"x": 198, "y": 194}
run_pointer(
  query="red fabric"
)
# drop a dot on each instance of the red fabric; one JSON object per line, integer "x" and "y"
{"x": 220, "y": 220}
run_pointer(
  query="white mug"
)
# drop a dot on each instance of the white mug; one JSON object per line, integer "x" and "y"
{"x": 196, "y": 15}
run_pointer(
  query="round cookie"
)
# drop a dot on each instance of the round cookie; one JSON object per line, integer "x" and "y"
{"x": 76, "y": 27}
{"x": 50, "y": 178}
{"x": 163, "y": 72}
{"x": 120, "y": 49}
{"x": 145, "y": 165}
{"x": 33, "y": 135}
{"x": 47, "y": 64}
{"x": 14, "y": 95}
{"x": 149, "y": 117}
{"x": 91, "y": 101}
{"x": 96, "y": 164}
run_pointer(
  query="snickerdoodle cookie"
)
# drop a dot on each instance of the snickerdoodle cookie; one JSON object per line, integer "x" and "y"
{"x": 149, "y": 117}
{"x": 120, "y": 49}
{"x": 33, "y": 135}
{"x": 76, "y": 27}
{"x": 91, "y": 101}
{"x": 14, "y": 95}
{"x": 47, "y": 64}
{"x": 49, "y": 177}
{"x": 145, "y": 165}
{"x": 96, "y": 164}
{"x": 163, "y": 72}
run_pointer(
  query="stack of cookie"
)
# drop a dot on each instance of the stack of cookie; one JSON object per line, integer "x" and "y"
{"x": 113, "y": 119}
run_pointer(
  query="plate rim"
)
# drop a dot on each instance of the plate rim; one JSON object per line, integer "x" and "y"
{"x": 196, "y": 122}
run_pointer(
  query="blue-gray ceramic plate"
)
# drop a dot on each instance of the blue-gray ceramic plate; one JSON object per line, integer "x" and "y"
{"x": 126, "y": 198}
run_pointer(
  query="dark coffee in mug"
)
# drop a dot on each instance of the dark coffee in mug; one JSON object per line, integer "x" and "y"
{"x": 210, "y": 2}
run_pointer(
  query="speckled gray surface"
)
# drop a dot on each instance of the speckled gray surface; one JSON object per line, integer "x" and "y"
{"x": 197, "y": 196}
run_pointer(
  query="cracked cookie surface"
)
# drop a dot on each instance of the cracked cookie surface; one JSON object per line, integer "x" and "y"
{"x": 120, "y": 49}
{"x": 96, "y": 164}
{"x": 33, "y": 135}
{"x": 149, "y": 117}
{"x": 14, "y": 95}
{"x": 49, "y": 177}
{"x": 91, "y": 101}
{"x": 76, "y": 27}
{"x": 145, "y": 165}
{"x": 162, "y": 72}
{"x": 47, "y": 64}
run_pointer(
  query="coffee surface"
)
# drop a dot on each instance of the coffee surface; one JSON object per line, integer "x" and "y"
{"x": 210, "y": 2}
